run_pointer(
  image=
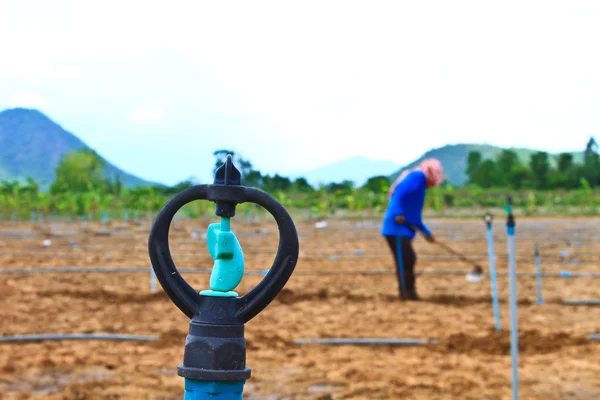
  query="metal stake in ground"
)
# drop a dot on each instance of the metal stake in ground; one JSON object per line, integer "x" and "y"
{"x": 490, "y": 242}
{"x": 512, "y": 276}
{"x": 214, "y": 360}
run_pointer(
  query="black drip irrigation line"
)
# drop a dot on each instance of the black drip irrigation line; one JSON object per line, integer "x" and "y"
{"x": 349, "y": 257}
{"x": 453, "y": 239}
{"x": 369, "y": 341}
{"x": 71, "y": 269}
{"x": 563, "y": 274}
{"x": 194, "y": 249}
{"x": 582, "y": 302}
{"x": 549, "y": 239}
{"x": 77, "y": 336}
{"x": 93, "y": 269}
{"x": 465, "y": 237}
{"x": 109, "y": 270}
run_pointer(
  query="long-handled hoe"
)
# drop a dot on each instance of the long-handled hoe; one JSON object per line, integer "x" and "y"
{"x": 472, "y": 276}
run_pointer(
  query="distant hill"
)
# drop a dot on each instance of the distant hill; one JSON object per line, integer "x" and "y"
{"x": 31, "y": 145}
{"x": 454, "y": 159}
{"x": 357, "y": 169}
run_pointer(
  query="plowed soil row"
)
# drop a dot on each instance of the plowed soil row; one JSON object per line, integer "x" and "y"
{"x": 470, "y": 360}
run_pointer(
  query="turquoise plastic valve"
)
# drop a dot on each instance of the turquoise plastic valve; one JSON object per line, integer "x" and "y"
{"x": 201, "y": 390}
{"x": 228, "y": 268}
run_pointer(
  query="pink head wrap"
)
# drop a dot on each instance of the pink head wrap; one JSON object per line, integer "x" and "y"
{"x": 431, "y": 167}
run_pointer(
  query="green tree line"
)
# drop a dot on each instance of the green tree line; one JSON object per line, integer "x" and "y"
{"x": 82, "y": 190}
{"x": 540, "y": 173}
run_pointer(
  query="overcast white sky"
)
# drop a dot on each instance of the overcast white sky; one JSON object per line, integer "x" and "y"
{"x": 156, "y": 86}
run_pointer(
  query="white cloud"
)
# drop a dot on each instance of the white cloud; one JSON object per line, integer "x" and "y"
{"x": 26, "y": 100}
{"x": 154, "y": 114}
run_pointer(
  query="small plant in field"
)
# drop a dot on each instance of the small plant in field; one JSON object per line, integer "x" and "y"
{"x": 351, "y": 201}
{"x": 437, "y": 200}
{"x": 531, "y": 207}
{"x": 589, "y": 203}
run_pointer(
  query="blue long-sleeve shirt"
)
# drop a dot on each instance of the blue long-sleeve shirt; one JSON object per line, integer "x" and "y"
{"x": 407, "y": 200}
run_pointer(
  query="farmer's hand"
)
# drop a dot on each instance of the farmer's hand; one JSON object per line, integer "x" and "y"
{"x": 430, "y": 238}
{"x": 400, "y": 219}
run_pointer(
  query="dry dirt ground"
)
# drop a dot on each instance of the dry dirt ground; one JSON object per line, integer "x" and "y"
{"x": 470, "y": 361}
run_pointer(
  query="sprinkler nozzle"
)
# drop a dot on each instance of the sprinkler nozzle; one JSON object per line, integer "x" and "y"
{"x": 227, "y": 174}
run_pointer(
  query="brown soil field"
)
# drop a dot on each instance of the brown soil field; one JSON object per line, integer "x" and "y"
{"x": 470, "y": 361}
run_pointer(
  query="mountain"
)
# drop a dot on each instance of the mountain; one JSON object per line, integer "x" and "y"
{"x": 357, "y": 169}
{"x": 31, "y": 145}
{"x": 454, "y": 159}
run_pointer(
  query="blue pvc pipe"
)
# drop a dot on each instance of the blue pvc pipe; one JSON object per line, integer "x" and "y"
{"x": 514, "y": 330}
{"x": 400, "y": 264}
{"x": 538, "y": 275}
{"x": 490, "y": 240}
{"x": 209, "y": 390}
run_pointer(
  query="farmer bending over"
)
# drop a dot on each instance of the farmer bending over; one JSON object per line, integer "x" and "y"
{"x": 403, "y": 216}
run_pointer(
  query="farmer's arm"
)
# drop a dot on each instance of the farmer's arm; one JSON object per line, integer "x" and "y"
{"x": 420, "y": 223}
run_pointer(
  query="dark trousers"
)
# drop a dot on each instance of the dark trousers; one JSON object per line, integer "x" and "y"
{"x": 405, "y": 260}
